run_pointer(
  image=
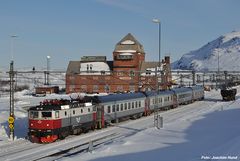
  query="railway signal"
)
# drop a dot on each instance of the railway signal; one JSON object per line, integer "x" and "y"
{"x": 11, "y": 112}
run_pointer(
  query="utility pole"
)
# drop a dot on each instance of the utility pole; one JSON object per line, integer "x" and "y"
{"x": 11, "y": 113}
{"x": 155, "y": 100}
{"x": 193, "y": 77}
{"x": 181, "y": 80}
{"x": 48, "y": 68}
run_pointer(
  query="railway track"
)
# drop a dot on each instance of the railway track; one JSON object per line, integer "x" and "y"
{"x": 84, "y": 147}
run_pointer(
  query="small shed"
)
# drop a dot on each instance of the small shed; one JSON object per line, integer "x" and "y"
{"x": 46, "y": 89}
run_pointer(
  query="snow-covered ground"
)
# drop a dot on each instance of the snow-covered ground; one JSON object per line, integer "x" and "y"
{"x": 198, "y": 131}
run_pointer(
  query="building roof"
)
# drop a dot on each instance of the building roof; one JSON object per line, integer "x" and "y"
{"x": 149, "y": 65}
{"x": 129, "y": 43}
{"x": 74, "y": 67}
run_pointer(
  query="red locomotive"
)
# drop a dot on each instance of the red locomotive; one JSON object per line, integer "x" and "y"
{"x": 56, "y": 119}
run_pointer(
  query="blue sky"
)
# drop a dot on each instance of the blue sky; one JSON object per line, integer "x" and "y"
{"x": 69, "y": 29}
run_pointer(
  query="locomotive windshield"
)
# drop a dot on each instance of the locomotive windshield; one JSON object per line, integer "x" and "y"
{"x": 46, "y": 114}
{"x": 33, "y": 114}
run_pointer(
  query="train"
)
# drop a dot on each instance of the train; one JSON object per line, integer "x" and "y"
{"x": 55, "y": 119}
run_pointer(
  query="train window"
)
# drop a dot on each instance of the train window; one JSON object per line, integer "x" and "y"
{"x": 34, "y": 114}
{"x": 109, "y": 109}
{"x": 89, "y": 110}
{"x": 136, "y": 104}
{"x": 81, "y": 110}
{"x": 121, "y": 107}
{"x": 113, "y": 108}
{"x": 46, "y": 114}
{"x": 65, "y": 113}
{"x": 117, "y": 107}
{"x": 57, "y": 114}
{"x": 94, "y": 108}
{"x": 125, "y": 106}
{"x": 132, "y": 104}
{"x": 139, "y": 103}
{"x": 129, "y": 105}
{"x": 73, "y": 112}
{"x": 160, "y": 99}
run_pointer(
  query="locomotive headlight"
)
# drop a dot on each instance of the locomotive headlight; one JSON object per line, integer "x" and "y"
{"x": 47, "y": 124}
{"x": 31, "y": 124}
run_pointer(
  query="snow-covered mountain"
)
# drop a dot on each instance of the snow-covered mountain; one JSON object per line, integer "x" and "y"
{"x": 226, "y": 49}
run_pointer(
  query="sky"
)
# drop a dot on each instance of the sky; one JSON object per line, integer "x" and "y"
{"x": 67, "y": 30}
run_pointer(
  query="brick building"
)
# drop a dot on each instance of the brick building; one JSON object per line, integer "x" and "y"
{"x": 127, "y": 72}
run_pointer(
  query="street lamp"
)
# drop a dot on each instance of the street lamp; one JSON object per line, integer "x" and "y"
{"x": 157, "y": 21}
{"x": 48, "y": 68}
{"x": 158, "y": 121}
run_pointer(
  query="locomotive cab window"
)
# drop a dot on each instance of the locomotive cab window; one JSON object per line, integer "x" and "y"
{"x": 33, "y": 114}
{"x": 57, "y": 114}
{"x": 46, "y": 114}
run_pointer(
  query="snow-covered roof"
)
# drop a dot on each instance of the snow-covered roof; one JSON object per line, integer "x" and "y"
{"x": 126, "y": 54}
{"x": 94, "y": 68}
{"x": 128, "y": 42}
{"x": 123, "y": 51}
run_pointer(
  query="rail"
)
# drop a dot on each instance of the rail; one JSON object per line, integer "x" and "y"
{"x": 87, "y": 146}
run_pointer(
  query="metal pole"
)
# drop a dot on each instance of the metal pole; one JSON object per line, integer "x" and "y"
{"x": 11, "y": 113}
{"x": 155, "y": 101}
{"x": 218, "y": 73}
{"x": 158, "y": 69}
{"x": 157, "y": 21}
{"x": 48, "y": 68}
{"x": 193, "y": 77}
{"x": 159, "y": 51}
{"x": 203, "y": 80}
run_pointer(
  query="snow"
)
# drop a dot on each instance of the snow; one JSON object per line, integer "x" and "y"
{"x": 95, "y": 68}
{"x": 203, "y": 130}
{"x": 126, "y": 51}
{"x": 127, "y": 54}
{"x": 128, "y": 42}
{"x": 152, "y": 71}
{"x": 226, "y": 48}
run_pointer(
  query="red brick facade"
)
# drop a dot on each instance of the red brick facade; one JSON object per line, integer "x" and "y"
{"x": 125, "y": 74}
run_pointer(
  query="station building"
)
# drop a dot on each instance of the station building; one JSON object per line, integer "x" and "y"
{"x": 127, "y": 72}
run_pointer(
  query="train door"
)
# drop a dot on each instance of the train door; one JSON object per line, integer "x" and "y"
{"x": 147, "y": 110}
{"x": 66, "y": 121}
{"x": 100, "y": 116}
{"x": 175, "y": 100}
{"x": 193, "y": 95}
